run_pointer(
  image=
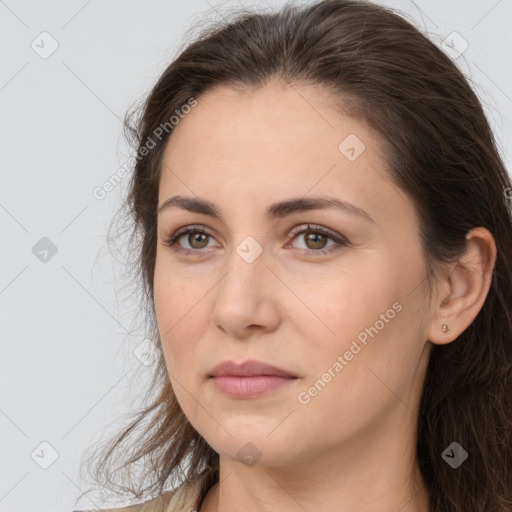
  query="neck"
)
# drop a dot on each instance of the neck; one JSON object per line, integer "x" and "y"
{"x": 374, "y": 470}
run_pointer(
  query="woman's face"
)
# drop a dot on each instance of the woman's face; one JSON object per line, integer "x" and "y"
{"x": 340, "y": 307}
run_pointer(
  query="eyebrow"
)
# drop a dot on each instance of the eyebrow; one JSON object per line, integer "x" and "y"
{"x": 274, "y": 211}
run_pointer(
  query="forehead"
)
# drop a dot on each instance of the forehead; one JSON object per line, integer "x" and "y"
{"x": 273, "y": 142}
{"x": 277, "y": 120}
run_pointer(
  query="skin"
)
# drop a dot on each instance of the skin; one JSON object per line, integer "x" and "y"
{"x": 352, "y": 446}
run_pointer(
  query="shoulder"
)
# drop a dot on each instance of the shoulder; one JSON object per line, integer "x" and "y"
{"x": 158, "y": 504}
{"x": 185, "y": 498}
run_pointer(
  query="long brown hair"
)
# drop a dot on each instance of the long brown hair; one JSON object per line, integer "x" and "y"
{"x": 442, "y": 153}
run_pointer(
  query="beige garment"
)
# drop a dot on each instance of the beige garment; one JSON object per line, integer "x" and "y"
{"x": 185, "y": 498}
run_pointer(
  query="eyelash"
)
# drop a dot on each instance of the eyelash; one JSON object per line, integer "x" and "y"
{"x": 340, "y": 241}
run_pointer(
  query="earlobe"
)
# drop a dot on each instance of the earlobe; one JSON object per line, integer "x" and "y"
{"x": 466, "y": 285}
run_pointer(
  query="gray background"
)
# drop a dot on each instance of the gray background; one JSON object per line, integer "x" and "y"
{"x": 74, "y": 359}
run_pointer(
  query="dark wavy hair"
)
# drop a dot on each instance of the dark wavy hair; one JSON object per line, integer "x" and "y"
{"x": 441, "y": 152}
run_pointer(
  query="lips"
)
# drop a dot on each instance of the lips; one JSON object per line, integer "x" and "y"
{"x": 249, "y": 369}
{"x": 251, "y": 379}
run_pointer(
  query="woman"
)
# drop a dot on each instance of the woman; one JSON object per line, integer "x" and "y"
{"x": 325, "y": 248}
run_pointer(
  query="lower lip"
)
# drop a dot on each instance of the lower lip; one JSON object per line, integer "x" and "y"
{"x": 247, "y": 387}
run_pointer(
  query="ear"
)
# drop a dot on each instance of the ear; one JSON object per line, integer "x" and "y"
{"x": 464, "y": 288}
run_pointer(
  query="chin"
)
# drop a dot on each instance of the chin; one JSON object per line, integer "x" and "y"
{"x": 250, "y": 447}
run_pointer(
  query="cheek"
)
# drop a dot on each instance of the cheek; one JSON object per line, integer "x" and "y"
{"x": 178, "y": 313}
{"x": 357, "y": 374}
{"x": 174, "y": 296}
{"x": 339, "y": 302}
{"x": 366, "y": 317}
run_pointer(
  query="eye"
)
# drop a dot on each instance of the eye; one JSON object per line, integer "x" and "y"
{"x": 197, "y": 238}
{"x": 316, "y": 237}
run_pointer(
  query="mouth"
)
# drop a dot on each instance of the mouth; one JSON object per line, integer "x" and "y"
{"x": 250, "y": 379}
{"x": 249, "y": 368}
{"x": 250, "y": 387}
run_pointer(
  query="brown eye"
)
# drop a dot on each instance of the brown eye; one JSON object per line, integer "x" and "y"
{"x": 197, "y": 239}
{"x": 315, "y": 240}
{"x": 200, "y": 238}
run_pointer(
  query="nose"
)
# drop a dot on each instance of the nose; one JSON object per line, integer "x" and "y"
{"x": 246, "y": 297}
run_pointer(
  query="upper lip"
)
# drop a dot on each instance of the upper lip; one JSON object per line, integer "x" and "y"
{"x": 247, "y": 369}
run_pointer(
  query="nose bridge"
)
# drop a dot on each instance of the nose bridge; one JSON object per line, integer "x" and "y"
{"x": 246, "y": 266}
{"x": 243, "y": 293}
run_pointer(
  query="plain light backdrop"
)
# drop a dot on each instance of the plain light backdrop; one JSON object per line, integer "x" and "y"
{"x": 73, "y": 357}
